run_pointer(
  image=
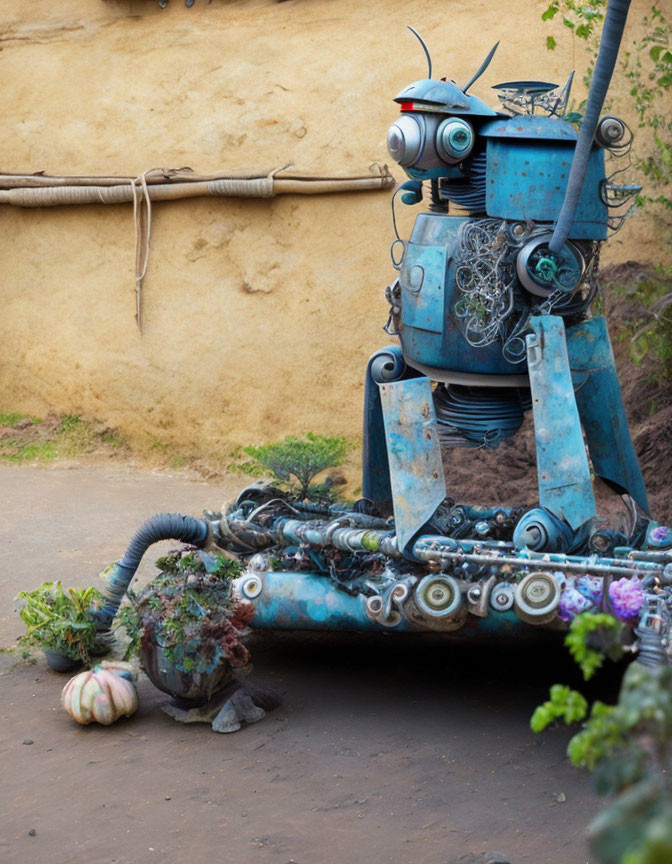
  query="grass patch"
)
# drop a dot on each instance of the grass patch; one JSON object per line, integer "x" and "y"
{"x": 37, "y": 451}
{"x": 12, "y": 418}
{"x": 32, "y": 439}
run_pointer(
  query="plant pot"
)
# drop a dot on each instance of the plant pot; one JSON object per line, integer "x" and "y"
{"x": 188, "y": 689}
{"x": 61, "y": 662}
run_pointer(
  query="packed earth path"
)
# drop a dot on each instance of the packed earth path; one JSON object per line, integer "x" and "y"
{"x": 386, "y": 748}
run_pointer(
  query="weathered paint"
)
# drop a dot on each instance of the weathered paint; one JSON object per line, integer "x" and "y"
{"x": 600, "y": 404}
{"x": 306, "y": 601}
{"x": 562, "y": 464}
{"x": 414, "y": 454}
{"x": 388, "y": 364}
{"x": 431, "y": 334}
{"x": 527, "y": 179}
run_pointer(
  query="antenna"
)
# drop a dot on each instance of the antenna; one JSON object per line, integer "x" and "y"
{"x": 424, "y": 48}
{"x": 481, "y": 69}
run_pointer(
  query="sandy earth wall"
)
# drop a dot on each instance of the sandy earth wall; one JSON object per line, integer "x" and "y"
{"x": 259, "y": 316}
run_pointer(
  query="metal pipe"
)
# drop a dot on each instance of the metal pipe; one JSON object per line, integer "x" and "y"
{"x": 612, "y": 32}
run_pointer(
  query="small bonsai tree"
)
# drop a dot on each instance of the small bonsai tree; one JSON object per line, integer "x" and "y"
{"x": 302, "y": 458}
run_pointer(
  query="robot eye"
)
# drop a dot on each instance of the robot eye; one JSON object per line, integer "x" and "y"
{"x": 454, "y": 140}
{"x": 405, "y": 140}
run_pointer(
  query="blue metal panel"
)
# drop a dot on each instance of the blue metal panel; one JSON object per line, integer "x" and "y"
{"x": 423, "y": 280}
{"x": 600, "y": 404}
{"x": 307, "y": 601}
{"x": 414, "y": 454}
{"x": 430, "y": 335}
{"x": 528, "y": 180}
{"x": 385, "y": 365}
{"x": 532, "y": 126}
{"x": 562, "y": 464}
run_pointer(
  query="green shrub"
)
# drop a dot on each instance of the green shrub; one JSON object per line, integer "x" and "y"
{"x": 301, "y": 458}
{"x": 59, "y": 619}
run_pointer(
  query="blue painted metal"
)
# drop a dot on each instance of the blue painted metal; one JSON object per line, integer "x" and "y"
{"x": 527, "y": 179}
{"x": 542, "y": 531}
{"x": 430, "y": 332}
{"x": 600, "y": 405}
{"x": 533, "y": 126}
{"x": 423, "y": 283}
{"x": 414, "y": 454}
{"x": 303, "y": 601}
{"x": 562, "y": 465}
{"x": 443, "y": 96}
{"x": 388, "y": 364}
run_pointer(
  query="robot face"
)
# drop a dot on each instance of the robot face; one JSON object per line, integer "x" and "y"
{"x": 423, "y": 141}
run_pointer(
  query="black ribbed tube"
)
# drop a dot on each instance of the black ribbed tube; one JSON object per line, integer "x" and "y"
{"x": 163, "y": 526}
{"x": 612, "y": 32}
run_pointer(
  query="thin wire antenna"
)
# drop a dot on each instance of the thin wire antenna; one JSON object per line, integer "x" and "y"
{"x": 424, "y": 48}
{"x": 481, "y": 69}
{"x": 565, "y": 92}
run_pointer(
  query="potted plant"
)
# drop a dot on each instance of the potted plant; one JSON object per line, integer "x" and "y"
{"x": 59, "y": 621}
{"x": 186, "y": 627}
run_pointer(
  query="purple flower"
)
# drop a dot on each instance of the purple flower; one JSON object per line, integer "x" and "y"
{"x": 572, "y": 602}
{"x": 660, "y": 536}
{"x": 626, "y": 596}
{"x": 590, "y": 587}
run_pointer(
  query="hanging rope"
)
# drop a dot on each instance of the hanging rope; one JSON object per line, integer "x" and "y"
{"x": 142, "y": 219}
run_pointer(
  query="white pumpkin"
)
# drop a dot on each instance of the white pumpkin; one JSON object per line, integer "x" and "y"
{"x": 101, "y": 695}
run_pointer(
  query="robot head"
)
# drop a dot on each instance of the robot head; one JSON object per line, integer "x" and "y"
{"x": 437, "y": 129}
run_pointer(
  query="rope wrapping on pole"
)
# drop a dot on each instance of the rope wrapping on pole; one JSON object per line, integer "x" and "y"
{"x": 141, "y": 191}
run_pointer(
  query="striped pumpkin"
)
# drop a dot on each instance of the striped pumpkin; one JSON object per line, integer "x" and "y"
{"x": 101, "y": 695}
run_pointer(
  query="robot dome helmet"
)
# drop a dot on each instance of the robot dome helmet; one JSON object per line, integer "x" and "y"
{"x": 429, "y": 135}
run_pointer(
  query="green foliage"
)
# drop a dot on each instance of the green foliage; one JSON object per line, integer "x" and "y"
{"x": 626, "y": 746}
{"x": 301, "y": 458}
{"x": 648, "y": 69}
{"x": 600, "y": 735}
{"x": 188, "y": 607}
{"x": 11, "y": 418}
{"x": 128, "y": 620}
{"x": 584, "y": 20}
{"x": 34, "y": 451}
{"x": 564, "y": 704}
{"x": 59, "y": 620}
{"x": 590, "y": 637}
{"x": 650, "y": 334}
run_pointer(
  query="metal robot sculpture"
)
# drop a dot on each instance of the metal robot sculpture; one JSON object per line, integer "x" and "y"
{"x": 492, "y": 307}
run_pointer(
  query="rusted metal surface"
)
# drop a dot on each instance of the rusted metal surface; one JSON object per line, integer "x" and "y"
{"x": 414, "y": 454}
{"x": 562, "y": 464}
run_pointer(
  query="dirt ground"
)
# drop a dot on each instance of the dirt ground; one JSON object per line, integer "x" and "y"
{"x": 386, "y": 749}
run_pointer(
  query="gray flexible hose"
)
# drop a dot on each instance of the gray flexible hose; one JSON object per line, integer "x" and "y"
{"x": 612, "y": 32}
{"x": 163, "y": 526}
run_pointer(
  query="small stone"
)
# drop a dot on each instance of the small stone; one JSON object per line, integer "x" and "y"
{"x": 167, "y": 798}
{"x": 32, "y": 832}
{"x": 28, "y": 741}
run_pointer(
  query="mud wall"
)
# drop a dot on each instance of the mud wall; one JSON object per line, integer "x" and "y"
{"x": 259, "y": 316}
